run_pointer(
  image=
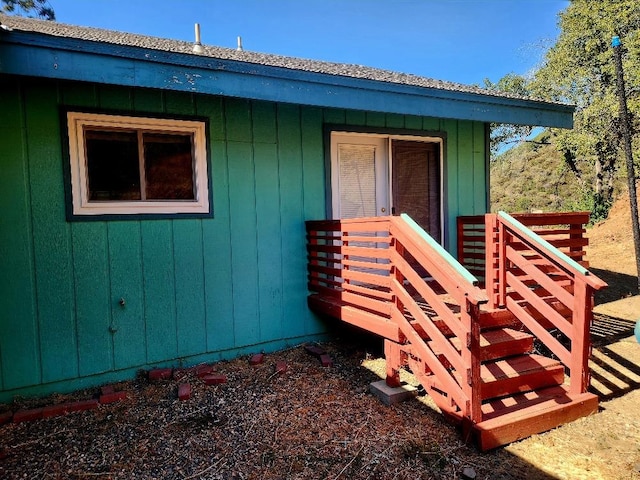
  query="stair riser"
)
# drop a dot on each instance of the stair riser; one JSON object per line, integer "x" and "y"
{"x": 506, "y": 349}
{"x": 523, "y": 383}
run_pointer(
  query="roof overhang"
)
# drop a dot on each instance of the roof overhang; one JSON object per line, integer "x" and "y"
{"x": 39, "y": 55}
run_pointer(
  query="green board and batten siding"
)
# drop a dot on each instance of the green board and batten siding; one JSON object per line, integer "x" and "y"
{"x": 193, "y": 289}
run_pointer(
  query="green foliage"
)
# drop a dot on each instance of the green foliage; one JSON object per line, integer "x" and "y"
{"x": 580, "y": 69}
{"x": 534, "y": 177}
{"x": 587, "y": 200}
{"x": 41, "y": 8}
{"x": 503, "y": 134}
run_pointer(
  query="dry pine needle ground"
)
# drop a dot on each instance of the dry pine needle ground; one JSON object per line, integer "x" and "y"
{"x": 310, "y": 422}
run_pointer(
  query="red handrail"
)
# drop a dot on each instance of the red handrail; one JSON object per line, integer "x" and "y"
{"x": 372, "y": 264}
{"x": 547, "y": 291}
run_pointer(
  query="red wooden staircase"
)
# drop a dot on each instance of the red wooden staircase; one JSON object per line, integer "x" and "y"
{"x": 506, "y": 363}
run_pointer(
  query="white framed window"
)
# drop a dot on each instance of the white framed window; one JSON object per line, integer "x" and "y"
{"x": 122, "y": 165}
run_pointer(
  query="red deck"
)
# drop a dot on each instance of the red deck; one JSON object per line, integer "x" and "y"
{"x": 471, "y": 348}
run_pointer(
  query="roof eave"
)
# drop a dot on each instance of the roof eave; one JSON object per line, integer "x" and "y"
{"x": 38, "y": 55}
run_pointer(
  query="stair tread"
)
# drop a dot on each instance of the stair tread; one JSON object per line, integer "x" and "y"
{"x": 517, "y": 403}
{"x": 502, "y": 335}
{"x": 531, "y": 413}
{"x": 497, "y": 370}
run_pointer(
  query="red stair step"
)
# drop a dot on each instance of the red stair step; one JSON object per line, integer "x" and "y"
{"x": 500, "y": 317}
{"x": 519, "y": 374}
{"x": 494, "y": 344}
{"x": 504, "y": 342}
{"x": 535, "y": 412}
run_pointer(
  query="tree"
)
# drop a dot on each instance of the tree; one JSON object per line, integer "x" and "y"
{"x": 40, "y": 8}
{"x": 580, "y": 69}
{"x": 503, "y": 134}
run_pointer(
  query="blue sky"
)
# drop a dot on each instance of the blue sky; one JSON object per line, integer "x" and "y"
{"x": 457, "y": 40}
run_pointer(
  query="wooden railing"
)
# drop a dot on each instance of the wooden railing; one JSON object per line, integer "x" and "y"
{"x": 564, "y": 230}
{"x": 389, "y": 276}
{"x": 548, "y": 291}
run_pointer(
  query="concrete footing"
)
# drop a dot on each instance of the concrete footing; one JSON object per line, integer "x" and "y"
{"x": 392, "y": 395}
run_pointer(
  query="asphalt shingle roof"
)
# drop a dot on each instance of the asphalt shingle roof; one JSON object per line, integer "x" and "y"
{"x": 181, "y": 47}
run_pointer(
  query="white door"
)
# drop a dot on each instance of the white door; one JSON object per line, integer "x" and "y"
{"x": 359, "y": 176}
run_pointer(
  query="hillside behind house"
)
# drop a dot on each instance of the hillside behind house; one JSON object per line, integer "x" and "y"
{"x": 533, "y": 177}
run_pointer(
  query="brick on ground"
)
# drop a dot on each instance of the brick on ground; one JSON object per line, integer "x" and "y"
{"x": 112, "y": 397}
{"x": 326, "y": 360}
{"x": 83, "y": 405}
{"x": 160, "y": 373}
{"x": 202, "y": 370}
{"x": 107, "y": 389}
{"x": 315, "y": 350}
{"x": 256, "y": 359}
{"x": 214, "y": 379}
{"x": 27, "y": 415}
{"x": 55, "y": 410}
{"x": 281, "y": 367}
{"x": 184, "y": 391}
{"x": 5, "y": 417}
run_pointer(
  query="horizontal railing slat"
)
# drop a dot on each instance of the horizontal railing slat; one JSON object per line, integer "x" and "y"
{"x": 544, "y": 280}
{"x": 540, "y": 305}
{"x": 536, "y": 329}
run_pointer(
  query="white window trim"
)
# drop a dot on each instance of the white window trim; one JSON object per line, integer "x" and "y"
{"x": 77, "y": 121}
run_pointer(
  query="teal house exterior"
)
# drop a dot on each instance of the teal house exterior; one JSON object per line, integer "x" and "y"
{"x": 199, "y": 255}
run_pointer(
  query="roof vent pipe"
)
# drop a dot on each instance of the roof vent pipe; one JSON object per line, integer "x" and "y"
{"x": 239, "y": 44}
{"x": 197, "y": 46}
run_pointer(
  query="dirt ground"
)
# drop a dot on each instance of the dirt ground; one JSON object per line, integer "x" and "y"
{"x": 314, "y": 422}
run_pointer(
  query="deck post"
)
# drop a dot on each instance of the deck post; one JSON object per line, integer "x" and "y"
{"x": 580, "y": 341}
{"x": 393, "y": 359}
{"x": 502, "y": 264}
{"x": 490, "y": 246}
{"x": 471, "y": 358}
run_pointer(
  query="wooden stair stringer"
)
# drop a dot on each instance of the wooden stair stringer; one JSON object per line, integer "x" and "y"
{"x": 428, "y": 368}
{"x": 434, "y": 388}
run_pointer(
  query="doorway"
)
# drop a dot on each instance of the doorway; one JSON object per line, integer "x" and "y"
{"x": 375, "y": 175}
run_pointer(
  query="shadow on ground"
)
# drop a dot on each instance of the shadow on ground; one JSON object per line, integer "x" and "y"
{"x": 620, "y": 286}
{"x": 498, "y": 464}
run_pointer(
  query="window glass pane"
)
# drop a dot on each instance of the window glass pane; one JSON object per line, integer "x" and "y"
{"x": 357, "y": 180}
{"x": 168, "y": 167}
{"x": 112, "y": 165}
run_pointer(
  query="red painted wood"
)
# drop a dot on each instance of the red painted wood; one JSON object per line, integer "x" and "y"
{"x": 491, "y": 262}
{"x": 539, "y": 331}
{"x": 371, "y": 278}
{"x": 393, "y": 363}
{"x": 518, "y": 275}
{"x": 534, "y": 415}
{"x": 580, "y": 340}
{"x": 501, "y": 343}
{"x": 363, "y": 239}
{"x": 368, "y": 321}
{"x": 471, "y": 358}
{"x": 445, "y": 379}
{"x": 386, "y": 267}
{"x": 433, "y": 299}
{"x": 541, "y": 305}
{"x": 382, "y": 294}
{"x": 438, "y": 268}
{"x": 373, "y": 305}
{"x": 519, "y": 374}
{"x": 438, "y": 340}
{"x": 553, "y": 218}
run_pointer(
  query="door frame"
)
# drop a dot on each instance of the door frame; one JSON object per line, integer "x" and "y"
{"x": 386, "y": 136}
